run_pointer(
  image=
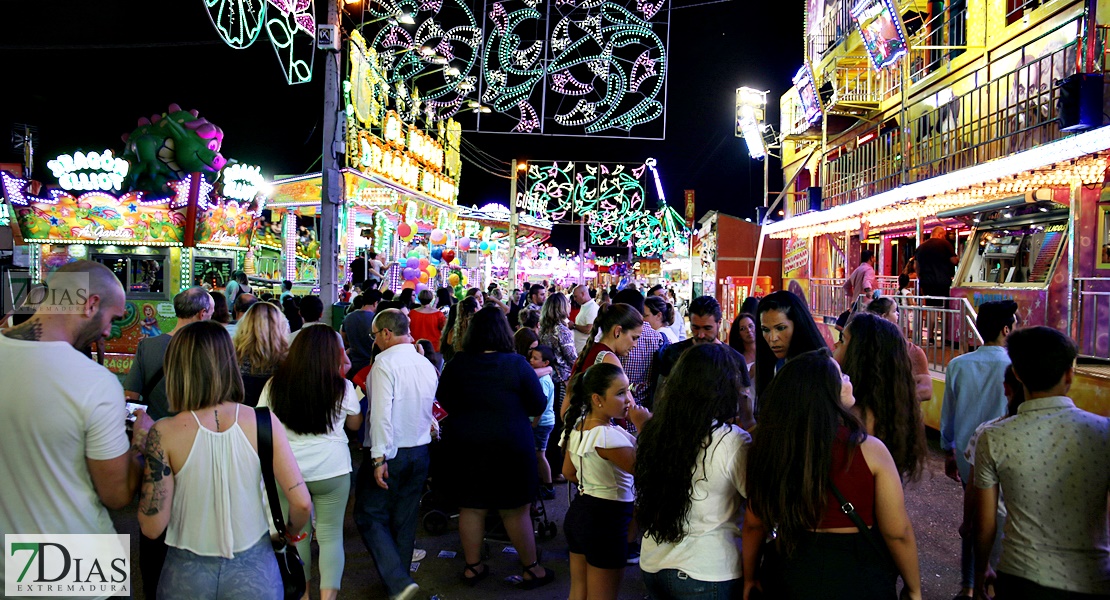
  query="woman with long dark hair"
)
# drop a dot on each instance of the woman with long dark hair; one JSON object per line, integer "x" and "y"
{"x": 689, "y": 479}
{"x": 489, "y": 459}
{"x": 313, "y": 400}
{"x": 787, "y": 330}
{"x": 741, "y": 336}
{"x": 601, "y": 459}
{"x": 455, "y": 332}
{"x": 813, "y": 547}
{"x": 888, "y": 309}
{"x": 874, "y": 355}
{"x": 660, "y": 315}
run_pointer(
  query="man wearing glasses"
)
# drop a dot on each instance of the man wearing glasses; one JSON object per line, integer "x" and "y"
{"x": 395, "y": 451}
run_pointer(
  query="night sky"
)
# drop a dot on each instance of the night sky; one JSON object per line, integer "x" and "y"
{"x": 83, "y": 72}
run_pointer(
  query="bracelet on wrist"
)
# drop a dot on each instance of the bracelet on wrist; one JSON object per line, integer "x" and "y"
{"x": 377, "y": 463}
{"x": 296, "y": 538}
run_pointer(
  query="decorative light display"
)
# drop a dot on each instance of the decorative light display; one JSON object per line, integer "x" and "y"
{"x": 92, "y": 171}
{"x": 242, "y": 182}
{"x": 750, "y": 111}
{"x": 571, "y": 68}
{"x": 289, "y": 236}
{"x": 186, "y": 280}
{"x": 1062, "y": 162}
{"x": 881, "y": 30}
{"x": 610, "y": 197}
{"x": 444, "y": 47}
{"x": 289, "y": 23}
{"x": 806, "y": 85}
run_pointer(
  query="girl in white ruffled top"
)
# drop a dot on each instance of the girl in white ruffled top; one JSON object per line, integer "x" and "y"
{"x": 601, "y": 461}
{"x": 202, "y": 483}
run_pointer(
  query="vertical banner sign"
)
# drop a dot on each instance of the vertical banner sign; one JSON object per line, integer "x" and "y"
{"x": 689, "y": 194}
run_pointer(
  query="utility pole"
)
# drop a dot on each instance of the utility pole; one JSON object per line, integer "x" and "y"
{"x": 330, "y": 191}
{"x": 513, "y": 220}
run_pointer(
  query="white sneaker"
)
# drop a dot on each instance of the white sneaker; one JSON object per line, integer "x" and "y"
{"x": 418, "y": 554}
{"x": 409, "y": 592}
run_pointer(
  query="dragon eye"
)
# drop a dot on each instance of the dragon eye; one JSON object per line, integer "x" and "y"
{"x": 213, "y": 145}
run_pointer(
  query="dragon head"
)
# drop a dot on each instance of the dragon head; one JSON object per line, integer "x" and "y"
{"x": 169, "y": 146}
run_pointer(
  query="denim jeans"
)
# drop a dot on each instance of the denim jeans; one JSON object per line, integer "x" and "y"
{"x": 672, "y": 584}
{"x": 386, "y": 519}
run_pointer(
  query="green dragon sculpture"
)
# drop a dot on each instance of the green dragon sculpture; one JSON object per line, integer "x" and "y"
{"x": 170, "y": 146}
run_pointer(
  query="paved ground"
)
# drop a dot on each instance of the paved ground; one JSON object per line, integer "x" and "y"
{"x": 933, "y": 502}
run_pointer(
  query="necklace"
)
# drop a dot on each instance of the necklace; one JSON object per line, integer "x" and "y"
{"x": 596, "y": 420}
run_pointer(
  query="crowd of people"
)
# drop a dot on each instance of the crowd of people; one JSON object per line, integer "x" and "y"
{"x": 767, "y": 462}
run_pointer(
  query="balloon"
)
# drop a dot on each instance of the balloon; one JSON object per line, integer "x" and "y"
{"x": 437, "y": 237}
{"x": 464, "y": 244}
{"x": 413, "y": 263}
{"x": 483, "y": 246}
{"x": 420, "y": 287}
{"x": 453, "y": 279}
{"x": 423, "y": 262}
{"x": 408, "y": 285}
{"x": 414, "y": 253}
{"x": 448, "y": 255}
{"x": 410, "y": 274}
{"x": 437, "y": 253}
{"x": 431, "y": 271}
{"x": 455, "y": 262}
{"x": 405, "y": 231}
{"x": 463, "y": 280}
{"x": 423, "y": 278}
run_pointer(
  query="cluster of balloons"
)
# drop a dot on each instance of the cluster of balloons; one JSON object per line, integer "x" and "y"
{"x": 420, "y": 265}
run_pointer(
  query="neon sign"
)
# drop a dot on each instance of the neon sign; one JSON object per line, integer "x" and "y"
{"x": 91, "y": 171}
{"x": 242, "y": 182}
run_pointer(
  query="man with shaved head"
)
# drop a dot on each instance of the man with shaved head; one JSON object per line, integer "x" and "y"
{"x": 62, "y": 419}
{"x": 936, "y": 264}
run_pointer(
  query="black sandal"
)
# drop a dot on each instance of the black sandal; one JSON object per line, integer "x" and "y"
{"x": 529, "y": 580}
{"x": 478, "y": 575}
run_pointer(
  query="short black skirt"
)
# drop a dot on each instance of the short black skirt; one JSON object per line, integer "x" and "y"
{"x": 598, "y": 529}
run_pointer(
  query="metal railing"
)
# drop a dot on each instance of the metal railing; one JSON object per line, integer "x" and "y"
{"x": 792, "y": 120}
{"x": 1092, "y": 323}
{"x": 997, "y": 117}
{"x": 797, "y": 203}
{"x": 826, "y": 297}
{"x": 944, "y": 327}
{"x": 948, "y": 28}
{"x": 1015, "y": 9}
{"x": 833, "y": 29}
{"x": 871, "y": 168}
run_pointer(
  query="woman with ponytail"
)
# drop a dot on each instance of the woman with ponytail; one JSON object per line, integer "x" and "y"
{"x": 601, "y": 460}
{"x": 690, "y": 479}
{"x": 616, "y": 330}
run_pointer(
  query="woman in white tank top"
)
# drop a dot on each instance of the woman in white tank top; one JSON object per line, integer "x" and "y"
{"x": 202, "y": 480}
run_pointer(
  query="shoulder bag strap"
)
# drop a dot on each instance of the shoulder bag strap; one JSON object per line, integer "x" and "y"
{"x": 266, "y": 457}
{"x": 850, "y": 510}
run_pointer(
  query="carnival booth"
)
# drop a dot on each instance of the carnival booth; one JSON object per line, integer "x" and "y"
{"x": 726, "y": 247}
{"x": 160, "y": 231}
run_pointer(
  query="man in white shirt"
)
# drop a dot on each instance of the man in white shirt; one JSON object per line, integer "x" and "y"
{"x": 63, "y": 415}
{"x": 395, "y": 454}
{"x": 1051, "y": 461}
{"x": 587, "y": 312}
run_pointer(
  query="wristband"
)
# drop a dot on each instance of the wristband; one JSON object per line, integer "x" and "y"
{"x": 296, "y": 538}
{"x": 377, "y": 463}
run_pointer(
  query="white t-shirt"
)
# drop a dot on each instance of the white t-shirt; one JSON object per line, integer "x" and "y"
{"x": 586, "y": 316}
{"x": 322, "y": 456}
{"x": 598, "y": 477}
{"x": 710, "y": 551}
{"x": 669, "y": 334}
{"x": 58, "y": 409}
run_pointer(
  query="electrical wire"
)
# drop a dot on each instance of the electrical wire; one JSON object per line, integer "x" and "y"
{"x": 482, "y": 168}
{"x": 475, "y": 147}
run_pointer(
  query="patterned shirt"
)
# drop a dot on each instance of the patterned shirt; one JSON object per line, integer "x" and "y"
{"x": 1052, "y": 461}
{"x": 639, "y": 365}
{"x": 561, "y": 342}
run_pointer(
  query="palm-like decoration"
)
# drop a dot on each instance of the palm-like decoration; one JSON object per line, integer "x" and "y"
{"x": 289, "y": 23}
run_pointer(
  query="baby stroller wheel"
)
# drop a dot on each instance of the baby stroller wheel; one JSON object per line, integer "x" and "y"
{"x": 435, "y": 522}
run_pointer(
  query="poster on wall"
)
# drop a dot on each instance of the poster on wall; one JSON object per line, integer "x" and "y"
{"x": 881, "y": 30}
{"x": 807, "y": 90}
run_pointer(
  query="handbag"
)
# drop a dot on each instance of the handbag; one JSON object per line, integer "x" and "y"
{"x": 870, "y": 533}
{"x": 289, "y": 560}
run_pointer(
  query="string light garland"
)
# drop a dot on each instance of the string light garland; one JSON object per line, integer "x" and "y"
{"x": 290, "y": 25}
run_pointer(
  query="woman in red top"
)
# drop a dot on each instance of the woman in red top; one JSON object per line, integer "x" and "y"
{"x": 817, "y": 551}
{"x": 426, "y": 322}
{"x": 618, "y": 326}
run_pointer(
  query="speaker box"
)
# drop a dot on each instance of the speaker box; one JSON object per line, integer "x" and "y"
{"x": 1081, "y": 102}
{"x": 814, "y": 198}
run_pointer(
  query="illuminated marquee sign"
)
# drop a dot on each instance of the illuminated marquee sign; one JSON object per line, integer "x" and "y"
{"x": 406, "y": 156}
{"x": 242, "y": 182}
{"x": 807, "y": 91}
{"x": 91, "y": 171}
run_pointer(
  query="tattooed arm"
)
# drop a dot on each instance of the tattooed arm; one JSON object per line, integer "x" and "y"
{"x": 288, "y": 477}
{"x": 30, "y": 331}
{"x": 157, "y": 490}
